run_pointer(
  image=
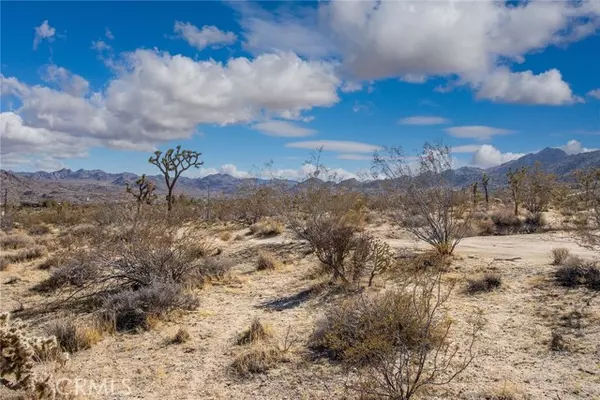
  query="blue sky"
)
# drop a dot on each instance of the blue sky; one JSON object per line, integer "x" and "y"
{"x": 100, "y": 85}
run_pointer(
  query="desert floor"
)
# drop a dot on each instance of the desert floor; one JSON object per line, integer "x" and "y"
{"x": 514, "y": 359}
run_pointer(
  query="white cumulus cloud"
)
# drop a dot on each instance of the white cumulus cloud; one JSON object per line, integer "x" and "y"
{"x": 207, "y": 36}
{"x": 43, "y": 32}
{"x": 575, "y": 147}
{"x": 489, "y": 156}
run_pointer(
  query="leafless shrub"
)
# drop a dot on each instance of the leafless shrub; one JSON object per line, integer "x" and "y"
{"x": 4, "y": 263}
{"x": 538, "y": 189}
{"x": 130, "y": 310}
{"x": 370, "y": 256}
{"x": 487, "y": 283}
{"x": 77, "y": 270}
{"x": 225, "y": 236}
{"x": 557, "y": 342}
{"x": 534, "y": 222}
{"x": 267, "y": 261}
{"x": 423, "y": 201}
{"x": 559, "y": 255}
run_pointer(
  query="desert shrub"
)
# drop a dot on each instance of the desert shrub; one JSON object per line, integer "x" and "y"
{"x": 578, "y": 272}
{"x": 131, "y": 310}
{"x": 422, "y": 200}
{"x": 267, "y": 227}
{"x": 538, "y": 189}
{"x": 36, "y": 251}
{"x": 506, "y": 222}
{"x": 16, "y": 241}
{"x": 73, "y": 337}
{"x": 557, "y": 341}
{"x": 370, "y": 256}
{"x": 423, "y": 261}
{"x": 4, "y": 263}
{"x": 534, "y": 222}
{"x": 257, "y": 332}
{"x": 38, "y": 230}
{"x": 225, "y": 236}
{"x": 256, "y": 360}
{"x": 77, "y": 270}
{"x": 214, "y": 268}
{"x": 267, "y": 260}
{"x": 486, "y": 227}
{"x": 487, "y": 283}
{"x": 181, "y": 336}
{"x": 19, "y": 353}
{"x": 559, "y": 255}
{"x": 356, "y": 330}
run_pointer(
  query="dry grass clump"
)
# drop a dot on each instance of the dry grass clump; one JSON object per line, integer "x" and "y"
{"x": 487, "y": 283}
{"x": 267, "y": 261}
{"x": 225, "y": 236}
{"x": 557, "y": 341}
{"x": 36, "y": 251}
{"x": 73, "y": 337}
{"x": 559, "y": 255}
{"x": 4, "y": 264}
{"x": 15, "y": 241}
{"x": 38, "y": 230}
{"x": 267, "y": 227}
{"x": 257, "y": 332}
{"x": 181, "y": 336}
{"x": 256, "y": 360}
{"x": 578, "y": 272}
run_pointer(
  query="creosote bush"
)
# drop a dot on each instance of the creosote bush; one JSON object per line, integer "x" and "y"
{"x": 487, "y": 283}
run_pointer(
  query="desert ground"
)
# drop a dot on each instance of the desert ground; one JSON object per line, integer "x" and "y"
{"x": 513, "y": 356}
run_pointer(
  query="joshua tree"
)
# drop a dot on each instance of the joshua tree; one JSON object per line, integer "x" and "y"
{"x": 172, "y": 164}
{"x": 485, "y": 180}
{"x": 143, "y": 191}
{"x": 516, "y": 180}
{"x": 474, "y": 189}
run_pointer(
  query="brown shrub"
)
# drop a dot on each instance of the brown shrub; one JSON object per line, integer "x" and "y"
{"x": 357, "y": 330}
{"x": 487, "y": 283}
{"x": 73, "y": 337}
{"x": 267, "y": 227}
{"x": 506, "y": 222}
{"x": 4, "y": 263}
{"x": 38, "y": 230}
{"x": 559, "y": 255}
{"x": 132, "y": 310}
{"x": 181, "y": 336}
{"x": 257, "y": 332}
{"x": 225, "y": 236}
{"x": 16, "y": 241}
{"x": 256, "y": 360}
{"x": 27, "y": 254}
{"x": 578, "y": 272}
{"x": 267, "y": 260}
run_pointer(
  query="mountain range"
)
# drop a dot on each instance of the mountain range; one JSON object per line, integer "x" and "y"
{"x": 97, "y": 185}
